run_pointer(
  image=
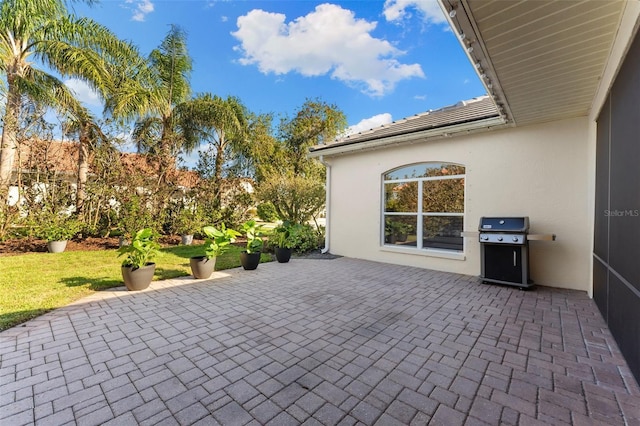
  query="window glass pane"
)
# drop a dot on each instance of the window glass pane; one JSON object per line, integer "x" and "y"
{"x": 425, "y": 170}
{"x": 400, "y": 230}
{"x": 401, "y": 197}
{"x": 444, "y": 196}
{"x": 442, "y": 232}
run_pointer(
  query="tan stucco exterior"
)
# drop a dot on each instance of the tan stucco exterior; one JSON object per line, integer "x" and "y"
{"x": 539, "y": 171}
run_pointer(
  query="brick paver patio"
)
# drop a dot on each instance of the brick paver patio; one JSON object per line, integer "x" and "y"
{"x": 319, "y": 342}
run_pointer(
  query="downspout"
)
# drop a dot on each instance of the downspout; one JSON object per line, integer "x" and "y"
{"x": 327, "y": 204}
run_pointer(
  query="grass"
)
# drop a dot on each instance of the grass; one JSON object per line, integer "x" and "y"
{"x": 35, "y": 283}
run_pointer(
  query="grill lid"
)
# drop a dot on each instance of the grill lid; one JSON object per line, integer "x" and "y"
{"x": 504, "y": 224}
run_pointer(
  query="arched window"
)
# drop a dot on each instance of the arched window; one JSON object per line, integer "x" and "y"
{"x": 423, "y": 206}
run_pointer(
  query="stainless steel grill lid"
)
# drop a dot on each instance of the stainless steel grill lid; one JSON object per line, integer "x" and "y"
{"x": 504, "y": 224}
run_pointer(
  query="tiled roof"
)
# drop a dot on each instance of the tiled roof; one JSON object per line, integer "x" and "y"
{"x": 463, "y": 112}
{"x": 58, "y": 156}
{"x": 62, "y": 157}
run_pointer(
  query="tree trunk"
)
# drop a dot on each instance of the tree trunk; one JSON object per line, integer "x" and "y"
{"x": 83, "y": 169}
{"x": 217, "y": 174}
{"x": 166, "y": 162}
{"x": 9, "y": 143}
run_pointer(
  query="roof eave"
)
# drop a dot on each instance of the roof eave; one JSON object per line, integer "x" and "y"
{"x": 409, "y": 138}
{"x": 458, "y": 14}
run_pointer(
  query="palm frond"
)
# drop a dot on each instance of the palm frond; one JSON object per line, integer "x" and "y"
{"x": 48, "y": 90}
{"x": 147, "y": 134}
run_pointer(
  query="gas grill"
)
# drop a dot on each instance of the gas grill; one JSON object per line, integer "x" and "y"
{"x": 504, "y": 250}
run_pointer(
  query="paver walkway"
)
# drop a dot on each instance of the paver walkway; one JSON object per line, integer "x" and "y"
{"x": 319, "y": 342}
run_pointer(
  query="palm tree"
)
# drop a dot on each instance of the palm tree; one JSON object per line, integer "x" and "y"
{"x": 164, "y": 128}
{"x": 82, "y": 123}
{"x": 222, "y": 123}
{"x": 43, "y": 31}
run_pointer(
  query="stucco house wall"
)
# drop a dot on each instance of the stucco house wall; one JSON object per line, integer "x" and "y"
{"x": 540, "y": 171}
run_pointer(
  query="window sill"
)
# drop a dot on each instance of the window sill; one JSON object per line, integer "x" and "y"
{"x": 442, "y": 254}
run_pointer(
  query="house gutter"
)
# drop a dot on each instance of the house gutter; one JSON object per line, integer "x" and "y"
{"x": 327, "y": 204}
{"x": 435, "y": 133}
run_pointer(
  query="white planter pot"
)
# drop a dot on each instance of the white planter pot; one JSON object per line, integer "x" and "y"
{"x": 56, "y": 246}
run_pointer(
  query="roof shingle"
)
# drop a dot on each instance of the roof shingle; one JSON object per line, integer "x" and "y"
{"x": 468, "y": 111}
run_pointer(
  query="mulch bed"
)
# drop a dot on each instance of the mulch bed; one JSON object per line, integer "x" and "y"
{"x": 34, "y": 245}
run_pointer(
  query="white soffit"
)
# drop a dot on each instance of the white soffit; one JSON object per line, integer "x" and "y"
{"x": 542, "y": 59}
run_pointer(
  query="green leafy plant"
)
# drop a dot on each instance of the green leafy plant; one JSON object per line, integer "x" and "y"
{"x": 267, "y": 212}
{"x": 189, "y": 221}
{"x": 254, "y": 233}
{"x": 59, "y": 228}
{"x": 307, "y": 238}
{"x": 397, "y": 228}
{"x": 141, "y": 251}
{"x": 286, "y": 234}
{"x": 218, "y": 240}
{"x": 134, "y": 214}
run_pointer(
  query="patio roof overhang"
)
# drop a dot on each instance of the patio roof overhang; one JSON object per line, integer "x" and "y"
{"x": 539, "y": 61}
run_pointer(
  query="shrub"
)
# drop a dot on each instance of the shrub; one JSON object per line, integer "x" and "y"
{"x": 267, "y": 212}
{"x": 58, "y": 227}
{"x": 297, "y": 199}
{"x": 188, "y": 221}
{"x": 307, "y": 239}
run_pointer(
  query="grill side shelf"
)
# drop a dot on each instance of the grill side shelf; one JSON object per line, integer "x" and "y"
{"x": 541, "y": 237}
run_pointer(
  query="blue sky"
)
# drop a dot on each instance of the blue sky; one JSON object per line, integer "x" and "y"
{"x": 378, "y": 61}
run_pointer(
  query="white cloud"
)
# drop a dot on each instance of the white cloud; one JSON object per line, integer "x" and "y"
{"x": 420, "y": 97}
{"x": 143, "y": 8}
{"x": 327, "y": 41}
{"x": 83, "y": 92}
{"x": 369, "y": 123}
{"x": 397, "y": 10}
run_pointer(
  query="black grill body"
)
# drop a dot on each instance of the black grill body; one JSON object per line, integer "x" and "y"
{"x": 504, "y": 251}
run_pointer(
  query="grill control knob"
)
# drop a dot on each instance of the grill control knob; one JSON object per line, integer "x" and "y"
{"x": 485, "y": 238}
{"x": 515, "y": 239}
{"x": 499, "y": 238}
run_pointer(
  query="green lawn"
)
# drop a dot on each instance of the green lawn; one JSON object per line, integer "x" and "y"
{"x": 35, "y": 283}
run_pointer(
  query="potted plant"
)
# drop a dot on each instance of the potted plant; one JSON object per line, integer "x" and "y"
{"x": 137, "y": 268}
{"x": 401, "y": 231}
{"x": 57, "y": 231}
{"x": 389, "y": 235}
{"x": 187, "y": 223}
{"x": 250, "y": 258}
{"x": 396, "y": 231}
{"x": 217, "y": 241}
{"x": 285, "y": 240}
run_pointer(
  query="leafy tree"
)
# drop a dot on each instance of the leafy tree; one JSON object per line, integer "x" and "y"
{"x": 296, "y": 199}
{"x": 293, "y": 182}
{"x": 315, "y": 123}
{"x": 261, "y": 154}
{"x": 43, "y": 31}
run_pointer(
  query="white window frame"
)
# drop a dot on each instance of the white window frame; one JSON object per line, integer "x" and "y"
{"x": 420, "y": 214}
